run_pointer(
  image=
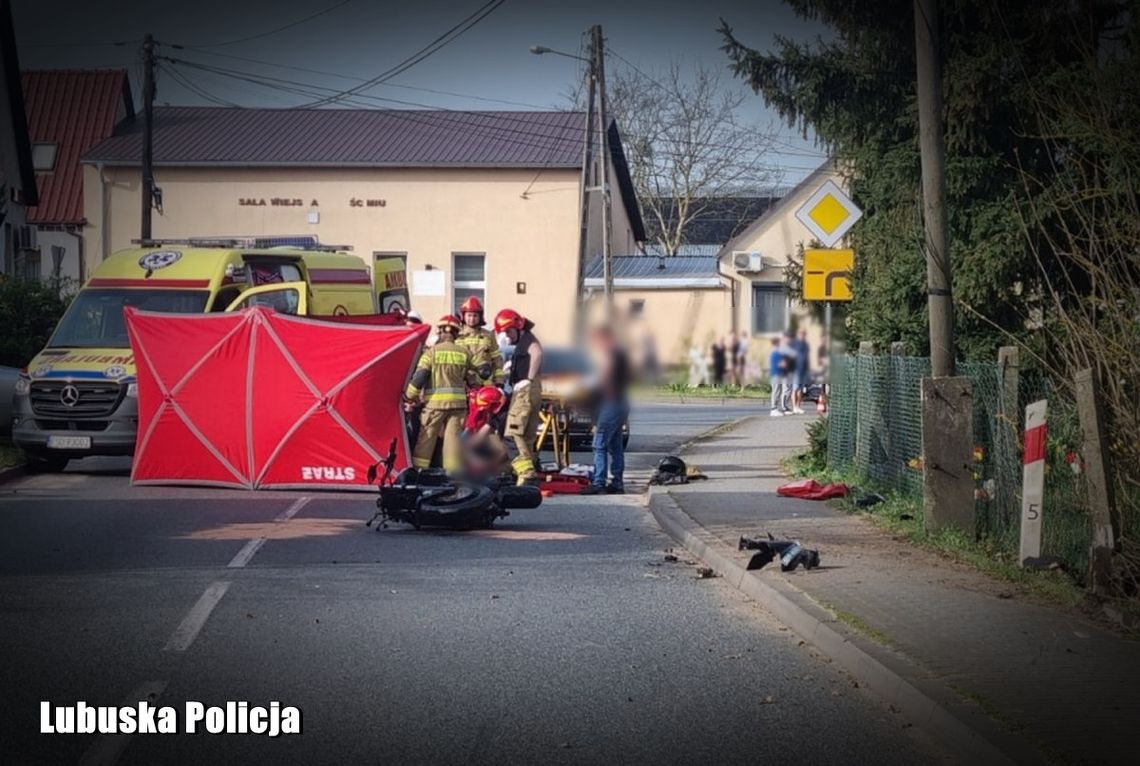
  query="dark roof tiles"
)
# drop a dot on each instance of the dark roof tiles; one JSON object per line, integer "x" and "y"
{"x": 654, "y": 267}
{"x": 340, "y": 137}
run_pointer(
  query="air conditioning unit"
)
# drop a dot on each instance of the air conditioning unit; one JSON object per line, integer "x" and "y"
{"x": 747, "y": 262}
{"x": 26, "y": 238}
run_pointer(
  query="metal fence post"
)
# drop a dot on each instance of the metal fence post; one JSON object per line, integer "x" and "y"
{"x": 1006, "y": 457}
{"x": 1098, "y": 479}
{"x": 867, "y": 406}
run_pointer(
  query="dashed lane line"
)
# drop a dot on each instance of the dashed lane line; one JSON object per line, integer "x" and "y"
{"x": 247, "y": 552}
{"x": 108, "y": 748}
{"x": 192, "y": 623}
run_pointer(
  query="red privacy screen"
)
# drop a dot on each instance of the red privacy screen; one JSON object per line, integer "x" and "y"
{"x": 259, "y": 399}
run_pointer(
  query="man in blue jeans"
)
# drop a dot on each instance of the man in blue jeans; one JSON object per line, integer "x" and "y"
{"x": 613, "y": 409}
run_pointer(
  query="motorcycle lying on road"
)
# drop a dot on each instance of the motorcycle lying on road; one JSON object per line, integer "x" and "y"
{"x": 428, "y": 497}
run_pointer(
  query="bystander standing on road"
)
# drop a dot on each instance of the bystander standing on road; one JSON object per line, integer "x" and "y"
{"x": 613, "y": 409}
{"x": 801, "y": 371}
{"x": 778, "y": 376}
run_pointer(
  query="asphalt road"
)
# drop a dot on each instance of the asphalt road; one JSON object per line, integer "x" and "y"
{"x": 561, "y": 636}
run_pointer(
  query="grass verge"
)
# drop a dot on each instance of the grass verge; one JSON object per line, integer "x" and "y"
{"x": 683, "y": 391}
{"x": 10, "y": 456}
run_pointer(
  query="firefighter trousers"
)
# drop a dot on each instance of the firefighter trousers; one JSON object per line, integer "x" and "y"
{"x": 522, "y": 427}
{"x": 434, "y": 425}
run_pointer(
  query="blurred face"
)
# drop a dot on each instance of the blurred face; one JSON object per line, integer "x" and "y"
{"x": 512, "y": 334}
{"x": 601, "y": 338}
{"x": 471, "y": 318}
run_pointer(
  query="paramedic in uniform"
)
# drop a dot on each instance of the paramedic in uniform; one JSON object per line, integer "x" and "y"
{"x": 526, "y": 394}
{"x": 441, "y": 378}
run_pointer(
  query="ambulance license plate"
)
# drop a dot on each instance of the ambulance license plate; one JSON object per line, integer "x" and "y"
{"x": 69, "y": 442}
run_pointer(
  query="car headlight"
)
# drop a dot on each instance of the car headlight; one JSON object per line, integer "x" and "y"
{"x": 133, "y": 390}
{"x": 23, "y": 386}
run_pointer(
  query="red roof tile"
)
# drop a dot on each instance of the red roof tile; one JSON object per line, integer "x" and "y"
{"x": 76, "y": 110}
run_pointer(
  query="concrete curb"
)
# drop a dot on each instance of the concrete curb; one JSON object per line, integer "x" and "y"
{"x": 723, "y": 428}
{"x": 926, "y": 703}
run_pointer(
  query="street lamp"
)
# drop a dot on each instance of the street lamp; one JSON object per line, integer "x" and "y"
{"x": 538, "y": 50}
{"x": 595, "y": 79}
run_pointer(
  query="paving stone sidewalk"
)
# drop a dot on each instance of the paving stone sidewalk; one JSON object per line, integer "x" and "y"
{"x": 1066, "y": 685}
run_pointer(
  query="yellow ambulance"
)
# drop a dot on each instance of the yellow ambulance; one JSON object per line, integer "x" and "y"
{"x": 78, "y": 396}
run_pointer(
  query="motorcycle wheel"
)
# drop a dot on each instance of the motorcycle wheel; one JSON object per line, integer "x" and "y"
{"x": 463, "y": 498}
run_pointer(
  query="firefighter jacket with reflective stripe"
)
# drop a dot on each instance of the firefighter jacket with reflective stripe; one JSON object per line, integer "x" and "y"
{"x": 442, "y": 376}
{"x": 483, "y": 346}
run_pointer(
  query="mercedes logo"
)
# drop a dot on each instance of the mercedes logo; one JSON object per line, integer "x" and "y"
{"x": 69, "y": 396}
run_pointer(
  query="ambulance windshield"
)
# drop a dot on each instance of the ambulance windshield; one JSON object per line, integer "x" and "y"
{"x": 95, "y": 318}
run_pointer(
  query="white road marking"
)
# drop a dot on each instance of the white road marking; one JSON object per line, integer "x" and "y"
{"x": 291, "y": 511}
{"x": 242, "y": 557}
{"x": 247, "y": 552}
{"x": 108, "y": 748}
{"x": 192, "y": 623}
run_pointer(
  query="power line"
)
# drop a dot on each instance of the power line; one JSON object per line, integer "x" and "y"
{"x": 568, "y": 133}
{"x": 354, "y": 78}
{"x": 189, "y": 85}
{"x": 435, "y": 45}
{"x": 105, "y": 44}
{"x": 524, "y": 136}
{"x": 290, "y": 25}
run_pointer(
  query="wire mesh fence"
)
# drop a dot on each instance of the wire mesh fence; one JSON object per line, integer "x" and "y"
{"x": 875, "y": 432}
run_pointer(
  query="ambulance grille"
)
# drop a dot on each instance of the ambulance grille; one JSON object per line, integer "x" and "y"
{"x": 92, "y": 398}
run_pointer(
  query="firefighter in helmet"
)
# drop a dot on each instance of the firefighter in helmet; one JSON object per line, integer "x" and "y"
{"x": 526, "y": 395}
{"x": 485, "y": 450}
{"x": 481, "y": 341}
{"x": 440, "y": 380}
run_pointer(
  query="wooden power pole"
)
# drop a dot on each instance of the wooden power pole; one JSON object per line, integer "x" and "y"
{"x": 599, "y": 65}
{"x": 933, "y": 149}
{"x": 587, "y": 165}
{"x": 146, "y": 185}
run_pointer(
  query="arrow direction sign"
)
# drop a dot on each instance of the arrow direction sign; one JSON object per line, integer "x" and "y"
{"x": 827, "y": 274}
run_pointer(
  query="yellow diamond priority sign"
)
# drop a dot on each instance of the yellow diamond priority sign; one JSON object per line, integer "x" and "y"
{"x": 829, "y": 214}
{"x": 827, "y": 274}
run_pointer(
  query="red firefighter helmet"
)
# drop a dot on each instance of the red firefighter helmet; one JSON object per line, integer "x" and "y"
{"x": 508, "y": 318}
{"x": 450, "y": 322}
{"x": 490, "y": 399}
{"x": 472, "y": 305}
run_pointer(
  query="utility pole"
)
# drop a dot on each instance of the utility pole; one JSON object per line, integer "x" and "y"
{"x": 587, "y": 164}
{"x": 599, "y": 66}
{"x": 146, "y": 186}
{"x": 940, "y": 304}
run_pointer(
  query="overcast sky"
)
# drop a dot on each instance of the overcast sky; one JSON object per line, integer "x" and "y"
{"x": 362, "y": 38}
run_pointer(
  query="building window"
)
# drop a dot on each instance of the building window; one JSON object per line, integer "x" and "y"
{"x": 636, "y": 307}
{"x": 28, "y": 264}
{"x": 769, "y": 309}
{"x": 470, "y": 277}
{"x": 43, "y": 157}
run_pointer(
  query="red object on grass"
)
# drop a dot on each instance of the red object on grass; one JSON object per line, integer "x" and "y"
{"x": 810, "y": 489}
{"x": 258, "y": 399}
